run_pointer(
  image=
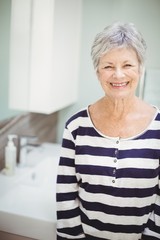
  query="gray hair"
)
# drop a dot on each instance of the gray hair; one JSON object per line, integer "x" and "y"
{"x": 115, "y": 36}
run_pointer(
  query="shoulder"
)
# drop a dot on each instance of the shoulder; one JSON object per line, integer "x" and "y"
{"x": 78, "y": 123}
{"x": 158, "y": 114}
{"x": 78, "y": 119}
{"x": 148, "y": 111}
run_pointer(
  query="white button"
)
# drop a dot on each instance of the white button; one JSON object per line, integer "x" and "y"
{"x": 116, "y": 151}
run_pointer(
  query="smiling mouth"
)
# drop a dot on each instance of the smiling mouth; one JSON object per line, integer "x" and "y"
{"x": 119, "y": 84}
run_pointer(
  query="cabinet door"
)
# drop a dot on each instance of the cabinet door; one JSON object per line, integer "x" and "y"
{"x": 19, "y": 54}
{"x": 44, "y": 59}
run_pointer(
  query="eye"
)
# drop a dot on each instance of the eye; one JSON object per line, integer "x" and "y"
{"x": 127, "y": 65}
{"x": 108, "y": 67}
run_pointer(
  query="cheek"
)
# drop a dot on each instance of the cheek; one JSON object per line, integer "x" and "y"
{"x": 134, "y": 75}
{"x": 104, "y": 77}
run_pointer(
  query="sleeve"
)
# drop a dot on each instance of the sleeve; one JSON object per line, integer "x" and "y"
{"x": 152, "y": 231}
{"x": 68, "y": 214}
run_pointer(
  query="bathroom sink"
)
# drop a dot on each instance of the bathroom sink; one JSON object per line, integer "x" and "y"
{"x": 31, "y": 199}
{"x": 42, "y": 175}
{"x": 34, "y": 194}
{"x": 26, "y": 201}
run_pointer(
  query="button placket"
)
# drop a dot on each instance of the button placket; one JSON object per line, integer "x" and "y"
{"x": 115, "y": 161}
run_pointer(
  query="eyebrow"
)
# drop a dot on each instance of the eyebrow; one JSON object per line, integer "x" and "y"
{"x": 126, "y": 61}
{"x": 107, "y": 63}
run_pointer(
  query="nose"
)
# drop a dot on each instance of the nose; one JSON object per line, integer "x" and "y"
{"x": 118, "y": 73}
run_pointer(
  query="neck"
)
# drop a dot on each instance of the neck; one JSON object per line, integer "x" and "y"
{"x": 119, "y": 108}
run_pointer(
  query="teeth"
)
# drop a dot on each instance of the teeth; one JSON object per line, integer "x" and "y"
{"x": 119, "y": 84}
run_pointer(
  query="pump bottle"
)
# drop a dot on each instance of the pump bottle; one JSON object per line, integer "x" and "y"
{"x": 10, "y": 155}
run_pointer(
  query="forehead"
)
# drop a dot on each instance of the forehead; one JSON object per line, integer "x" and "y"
{"x": 119, "y": 54}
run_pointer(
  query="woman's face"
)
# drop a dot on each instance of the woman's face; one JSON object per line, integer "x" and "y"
{"x": 119, "y": 73}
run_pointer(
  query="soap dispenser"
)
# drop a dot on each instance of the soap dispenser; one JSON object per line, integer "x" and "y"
{"x": 10, "y": 155}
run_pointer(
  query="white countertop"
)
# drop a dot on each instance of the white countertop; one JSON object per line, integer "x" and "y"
{"x": 27, "y": 202}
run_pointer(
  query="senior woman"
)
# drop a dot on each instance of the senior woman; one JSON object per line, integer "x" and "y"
{"x": 108, "y": 183}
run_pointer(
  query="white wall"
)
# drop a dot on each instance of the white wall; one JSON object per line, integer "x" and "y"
{"x": 96, "y": 15}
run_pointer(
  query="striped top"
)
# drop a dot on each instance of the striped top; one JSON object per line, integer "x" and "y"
{"x": 108, "y": 188}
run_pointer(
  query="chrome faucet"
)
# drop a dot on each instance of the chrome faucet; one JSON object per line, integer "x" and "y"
{"x": 25, "y": 145}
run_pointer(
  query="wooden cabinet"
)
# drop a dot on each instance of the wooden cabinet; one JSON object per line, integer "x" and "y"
{"x": 44, "y": 54}
{"x": 8, "y": 236}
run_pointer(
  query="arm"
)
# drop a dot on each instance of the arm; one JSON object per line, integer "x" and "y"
{"x": 68, "y": 216}
{"x": 152, "y": 231}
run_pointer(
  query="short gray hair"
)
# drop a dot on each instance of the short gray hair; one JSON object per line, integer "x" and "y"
{"x": 115, "y": 36}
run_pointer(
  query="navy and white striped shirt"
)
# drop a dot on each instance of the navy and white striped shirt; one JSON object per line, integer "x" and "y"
{"x": 108, "y": 188}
